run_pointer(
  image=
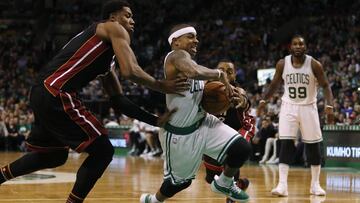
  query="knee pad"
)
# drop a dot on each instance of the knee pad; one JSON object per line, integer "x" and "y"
{"x": 238, "y": 153}
{"x": 168, "y": 189}
{"x": 313, "y": 154}
{"x": 287, "y": 152}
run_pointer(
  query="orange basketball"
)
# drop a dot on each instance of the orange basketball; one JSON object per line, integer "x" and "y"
{"x": 214, "y": 98}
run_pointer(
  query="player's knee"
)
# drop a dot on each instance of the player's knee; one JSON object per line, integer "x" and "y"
{"x": 168, "y": 189}
{"x": 102, "y": 148}
{"x": 313, "y": 154}
{"x": 55, "y": 158}
{"x": 238, "y": 153}
{"x": 287, "y": 152}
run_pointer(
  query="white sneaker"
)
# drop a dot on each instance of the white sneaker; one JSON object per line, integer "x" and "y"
{"x": 273, "y": 161}
{"x": 145, "y": 198}
{"x": 316, "y": 189}
{"x": 280, "y": 190}
{"x": 262, "y": 161}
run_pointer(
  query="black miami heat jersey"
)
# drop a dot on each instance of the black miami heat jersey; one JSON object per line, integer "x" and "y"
{"x": 81, "y": 60}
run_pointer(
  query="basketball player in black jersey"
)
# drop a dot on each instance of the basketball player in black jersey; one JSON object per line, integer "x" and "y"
{"x": 62, "y": 122}
{"x": 237, "y": 118}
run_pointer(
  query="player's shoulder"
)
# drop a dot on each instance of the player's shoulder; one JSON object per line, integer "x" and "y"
{"x": 178, "y": 54}
{"x": 315, "y": 63}
{"x": 280, "y": 63}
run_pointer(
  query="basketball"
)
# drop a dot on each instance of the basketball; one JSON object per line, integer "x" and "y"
{"x": 215, "y": 100}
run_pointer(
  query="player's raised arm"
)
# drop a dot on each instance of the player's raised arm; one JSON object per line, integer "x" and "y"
{"x": 129, "y": 67}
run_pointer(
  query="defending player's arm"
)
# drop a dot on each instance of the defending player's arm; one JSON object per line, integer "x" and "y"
{"x": 323, "y": 82}
{"x": 121, "y": 103}
{"x": 129, "y": 67}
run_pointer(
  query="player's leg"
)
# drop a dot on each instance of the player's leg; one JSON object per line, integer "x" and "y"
{"x": 310, "y": 128}
{"x": 226, "y": 146}
{"x": 45, "y": 150}
{"x": 183, "y": 156}
{"x": 33, "y": 161}
{"x": 288, "y": 128}
{"x": 166, "y": 191}
{"x": 100, "y": 155}
{"x": 313, "y": 156}
{"x": 80, "y": 130}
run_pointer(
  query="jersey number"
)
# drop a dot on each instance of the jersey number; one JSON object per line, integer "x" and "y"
{"x": 300, "y": 92}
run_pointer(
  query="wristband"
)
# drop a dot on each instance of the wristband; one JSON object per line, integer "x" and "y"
{"x": 219, "y": 72}
{"x": 329, "y": 106}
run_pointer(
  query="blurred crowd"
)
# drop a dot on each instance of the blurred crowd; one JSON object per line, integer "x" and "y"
{"x": 252, "y": 34}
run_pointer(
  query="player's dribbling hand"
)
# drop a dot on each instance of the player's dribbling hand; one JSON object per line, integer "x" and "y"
{"x": 162, "y": 120}
{"x": 329, "y": 111}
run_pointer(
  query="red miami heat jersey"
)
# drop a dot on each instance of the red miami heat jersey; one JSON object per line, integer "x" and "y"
{"x": 81, "y": 60}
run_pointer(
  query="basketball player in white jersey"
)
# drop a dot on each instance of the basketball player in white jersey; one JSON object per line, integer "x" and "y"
{"x": 191, "y": 132}
{"x": 301, "y": 75}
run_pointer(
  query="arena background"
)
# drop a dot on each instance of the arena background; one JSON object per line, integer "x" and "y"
{"x": 253, "y": 34}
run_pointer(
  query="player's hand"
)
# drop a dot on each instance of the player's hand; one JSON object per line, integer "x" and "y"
{"x": 162, "y": 120}
{"x": 175, "y": 86}
{"x": 225, "y": 81}
{"x": 239, "y": 97}
{"x": 329, "y": 111}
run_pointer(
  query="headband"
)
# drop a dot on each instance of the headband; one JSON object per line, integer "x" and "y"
{"x": 180, "y": 32}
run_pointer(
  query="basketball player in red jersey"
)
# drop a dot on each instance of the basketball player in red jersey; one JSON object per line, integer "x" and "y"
{"x": 61, "y": 120}
{"x": 236, "y": 117}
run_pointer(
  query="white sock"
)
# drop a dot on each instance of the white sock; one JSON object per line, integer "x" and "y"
{"x": 224, "y": 180}
{"x": 283, "y": 173}
{"x": 315, "y": 174}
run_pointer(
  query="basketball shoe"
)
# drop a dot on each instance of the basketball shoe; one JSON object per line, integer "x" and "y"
{"x": 233, "y": 192}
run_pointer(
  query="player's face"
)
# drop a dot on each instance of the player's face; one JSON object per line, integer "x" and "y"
{"x": 188, "y": 42}
{"x": 229, "y": 69}
{"x": 124, "y": 17}
{"x": 298, "y": 47}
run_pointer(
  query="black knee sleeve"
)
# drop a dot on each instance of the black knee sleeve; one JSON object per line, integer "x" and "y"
{"x": 168, "y": 189}
{"x": 56, "y": 158}
{"x": 287, "y": 152}
{"x": 238, "y": 153}
{"x": 101, "y": 153}
{"x": 313, "y": 154}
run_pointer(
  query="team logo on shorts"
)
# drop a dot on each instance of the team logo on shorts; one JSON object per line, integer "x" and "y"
{"x": 175, "y": 140}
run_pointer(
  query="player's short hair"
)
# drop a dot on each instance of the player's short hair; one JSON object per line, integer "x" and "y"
{"x": 297, "y": 36}
{"x": 178, "y": 27}
{"x": 113, "y": 6}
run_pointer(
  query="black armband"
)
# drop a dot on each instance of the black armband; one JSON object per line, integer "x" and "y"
{"x": 122, "y": 104}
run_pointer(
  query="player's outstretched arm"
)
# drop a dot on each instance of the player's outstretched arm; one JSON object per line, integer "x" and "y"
{"x": 129, "y": 67}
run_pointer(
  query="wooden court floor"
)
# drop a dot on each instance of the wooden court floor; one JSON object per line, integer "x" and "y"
{"x": 128, "y": 177}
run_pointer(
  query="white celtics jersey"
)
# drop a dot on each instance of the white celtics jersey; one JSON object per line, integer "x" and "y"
{"x": 189, "y": 109}
{"x": 300, "y": 84}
